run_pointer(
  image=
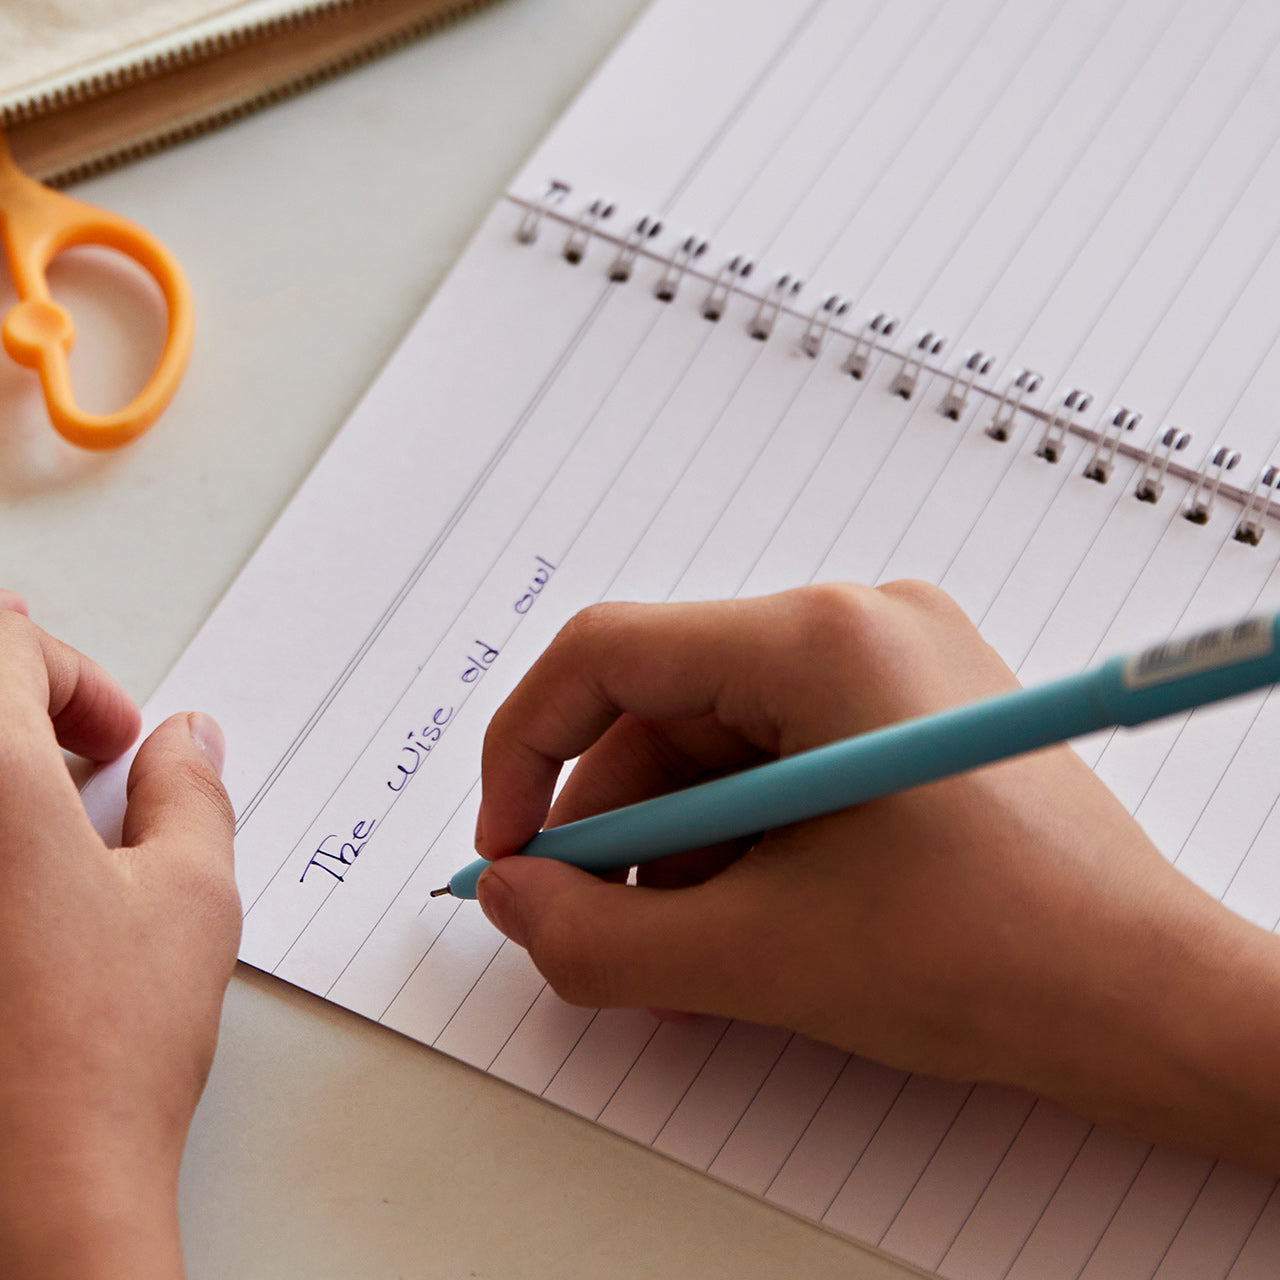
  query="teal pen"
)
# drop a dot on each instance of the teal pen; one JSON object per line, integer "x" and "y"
{"x": 1161, "y": 681}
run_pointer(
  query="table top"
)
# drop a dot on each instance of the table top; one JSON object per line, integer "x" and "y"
{"x": 313, "y": 233}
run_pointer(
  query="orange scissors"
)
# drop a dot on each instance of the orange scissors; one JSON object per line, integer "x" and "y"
{"x": 37, "y": 224}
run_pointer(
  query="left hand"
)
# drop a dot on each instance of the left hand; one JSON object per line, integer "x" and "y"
{"x": 113, "y": 965}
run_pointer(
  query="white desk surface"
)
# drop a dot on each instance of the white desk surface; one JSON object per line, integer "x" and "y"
{"x": 327, "y": 1146}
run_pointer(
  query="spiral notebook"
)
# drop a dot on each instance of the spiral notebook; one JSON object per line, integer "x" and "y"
{"x": 979, "y": 291}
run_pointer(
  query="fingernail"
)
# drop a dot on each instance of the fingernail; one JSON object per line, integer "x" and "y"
{"x": 12, "y": 602}
{"x": 208, "y": 737}
{"x": 479, "y": 840}
{"x": 499, "y": 904}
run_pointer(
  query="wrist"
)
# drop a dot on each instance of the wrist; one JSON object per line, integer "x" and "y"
{"x": 1174, "y": 1029}
{"x": 91, "y": 1211}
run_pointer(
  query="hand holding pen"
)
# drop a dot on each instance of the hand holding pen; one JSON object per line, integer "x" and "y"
{"x": 1012, "y": 924}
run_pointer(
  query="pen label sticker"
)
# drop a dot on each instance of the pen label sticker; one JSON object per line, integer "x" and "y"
{"x": 1221, "y": 648}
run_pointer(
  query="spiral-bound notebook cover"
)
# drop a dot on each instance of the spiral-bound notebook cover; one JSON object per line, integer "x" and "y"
{"x": 980, "y": 291}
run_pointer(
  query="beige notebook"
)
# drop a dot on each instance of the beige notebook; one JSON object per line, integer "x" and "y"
{"x": 87, "y": 84}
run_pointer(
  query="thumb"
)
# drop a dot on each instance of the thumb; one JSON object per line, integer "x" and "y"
{"x": 613, "y": 945}
{"x": 176, "y": 798}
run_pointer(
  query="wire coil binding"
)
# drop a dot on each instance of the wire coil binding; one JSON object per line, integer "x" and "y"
{"x": 527, "y": 231}
{"x": 1250, "y": 527}
{"x": 683, "y": 256}
{"x": 1074, "y": 404}
{"x": 1103, "y": 457}
{"x": 876, "y": 338}
{"x": 575, "y": 245}
{"x": 733, "y": 273}
{"x": 784, "y": 290}
{"x": 928, "y": 347}
{"x": 1027, "y": 383}
{"x": 867, "y": 344}
{"x": 1200, "y": 505}
{"x": 1150, "y": 484}
{"x": 976, "y": 365}
{"x": 832, "y": 309}
{"x": 646, "y": 229}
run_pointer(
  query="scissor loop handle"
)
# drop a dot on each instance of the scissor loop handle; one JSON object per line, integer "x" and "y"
{"x": 36, "y": 225}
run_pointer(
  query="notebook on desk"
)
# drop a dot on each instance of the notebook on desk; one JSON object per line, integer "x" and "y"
{"x": 979, "y": 291}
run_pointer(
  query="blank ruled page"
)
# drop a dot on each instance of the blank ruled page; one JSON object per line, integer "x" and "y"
{"x": 1084, "y": 190}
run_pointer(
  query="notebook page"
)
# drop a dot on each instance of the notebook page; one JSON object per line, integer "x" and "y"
{"x": 1081, "y": 188}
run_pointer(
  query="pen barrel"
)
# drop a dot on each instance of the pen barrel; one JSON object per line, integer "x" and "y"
{"x": 1183, "y": 674}
{"x": 1161, "y": 681}
{"x": 830, "y": 778}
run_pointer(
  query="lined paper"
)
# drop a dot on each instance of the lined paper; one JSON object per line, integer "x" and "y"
{"x": 1086, "y": 189}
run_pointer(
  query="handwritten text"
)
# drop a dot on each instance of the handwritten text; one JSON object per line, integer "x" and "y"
{"x": 541, "y": 576}
{"x": 336, "y": 861}
{"x": 420, "y": 742}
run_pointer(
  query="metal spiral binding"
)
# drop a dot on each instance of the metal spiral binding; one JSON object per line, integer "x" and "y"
{"x": 1073, "y": 405}
{"x": 683, "y": 256}
{"x": 736, "y": 270}
{"x": 527, "y": 231}
{"x": 623, "y": 264}
{"x": 876, "y": 330}
{"x": 876, "y": 338}
{"x": 831, "y": 309}
{"x": 976, "y": 365}
{"x": 928, "y": 345}
{"x": 575, "y": 245}
{"x": 1150, "y": 484}
{"x": 1103, "y": 457}
{"x": 1027, "y": 383}
{"x": 1200, "y": 505}
{"x": 1250, "y": 527}
{"x": 784, "y": 289}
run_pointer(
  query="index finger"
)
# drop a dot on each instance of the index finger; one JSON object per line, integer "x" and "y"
{"x": 90, "y": 713}
{"x": 656, "y": 662}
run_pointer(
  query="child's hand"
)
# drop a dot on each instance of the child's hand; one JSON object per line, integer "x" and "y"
{"x": 1013, "y": 924}
{"x": 113, "y": 964}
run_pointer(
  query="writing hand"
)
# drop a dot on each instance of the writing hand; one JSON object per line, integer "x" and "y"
{"x": 1011, "y": 925}
{"x": 113, "y": 965}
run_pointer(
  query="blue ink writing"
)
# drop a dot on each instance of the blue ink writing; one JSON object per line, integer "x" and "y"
{"x": 420, "y": 742}
{"x": 541, "y": 576}
{"x": 479, "y": 659}
{"x": 337, "y": 861}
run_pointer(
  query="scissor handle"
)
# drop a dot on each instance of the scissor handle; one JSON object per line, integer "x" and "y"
{"x": 37, "y": 224}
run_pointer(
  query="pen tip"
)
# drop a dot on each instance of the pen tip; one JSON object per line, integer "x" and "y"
{"x": 439, "y": 893}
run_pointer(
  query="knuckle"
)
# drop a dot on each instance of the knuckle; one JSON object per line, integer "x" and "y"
{"x": 594, "y": 627}
{"x": 24, "y": 696}
{"x": 203, "y": 783}
{"x": 16, "y": 628}
{"x": 924, "y": 596}
{"x": 846, "y": 621}
{"x": 835, "y": 618}
{"x": 20, "y": 645}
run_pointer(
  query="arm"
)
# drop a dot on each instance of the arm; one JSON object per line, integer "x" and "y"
{"x": 113, "y": 964}
{"x": 1012, "y": 925}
